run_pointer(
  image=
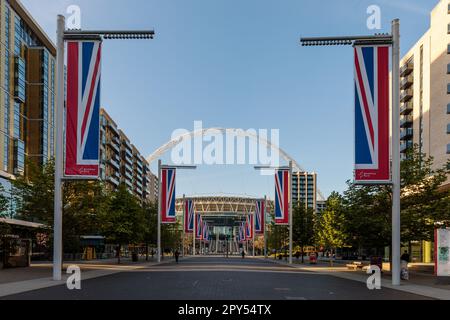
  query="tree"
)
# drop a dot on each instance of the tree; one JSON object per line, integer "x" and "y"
{"x": 124, "y": 219}
{"x": 151, "y": 224}
{"x": 34, "y": 193}
{"x": 330, "y": 230}
{"x": 82, "y": 202}
{"x": 4, "y": 203}
{"x": 423, "y": 203}
{"x": 303, "y": 227}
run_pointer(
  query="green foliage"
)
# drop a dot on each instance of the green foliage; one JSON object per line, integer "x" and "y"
{"x": 34, "y": 193}
{"x": 330, "y": 227}
{"x": 363, "y": 215}
{"x": 4, "y": 203}
{"x": 303, "y": 221}
{"x": 123, "y": 220}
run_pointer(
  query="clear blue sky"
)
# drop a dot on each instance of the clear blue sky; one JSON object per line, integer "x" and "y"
{"x": 234, "y": 63}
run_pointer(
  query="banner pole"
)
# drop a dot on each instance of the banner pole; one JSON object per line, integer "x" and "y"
{"x": 59, "y": 153}
{"x": 184, "y": 222}
{"x": 253, "y": 233}
{"x": 290, "y": 211}
{"x": 159, "y": 212}
{"x": 264, "y": 225}
{"x": 396, "y": 238}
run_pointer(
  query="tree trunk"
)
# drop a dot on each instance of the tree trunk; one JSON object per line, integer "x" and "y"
{"x": 331, "y": 258}
{"x": 118, "y": 253}
{"x": 146, "y": 252}
{"x": 303, "y": 253}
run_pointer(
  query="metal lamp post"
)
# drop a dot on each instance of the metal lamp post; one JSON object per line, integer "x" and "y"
{"x": 160, "y": 167}
{"x": 394, "y": 41}
{"x": 290, "y": 168}
{"x": 62, "y": 36}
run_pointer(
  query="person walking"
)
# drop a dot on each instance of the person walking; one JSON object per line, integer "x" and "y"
{"x": 177, "y": 255}
{"x": 405, "y": 258}
{"x": 243, "y": 254}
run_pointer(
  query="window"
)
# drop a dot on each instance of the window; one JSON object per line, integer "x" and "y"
{"x": 448, "y": 68}
{"x": 448, "y": 128}
{"x": 448, "y": 148}
{"x": 448, "y": 108}
{"x": 448, "y": 49}
{"x": 448, "y": 88}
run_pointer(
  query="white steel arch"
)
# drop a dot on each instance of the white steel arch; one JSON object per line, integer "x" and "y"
{"x": 241, "y": 133}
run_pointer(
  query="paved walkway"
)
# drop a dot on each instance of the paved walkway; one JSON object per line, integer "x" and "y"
{"x": 207, "y": 278}
{"x": 39, "y": 275}
{"x": 420, "y": 283}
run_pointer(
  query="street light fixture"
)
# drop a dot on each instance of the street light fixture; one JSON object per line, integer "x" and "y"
{"x": 392, "y": 40}
{"x": 62, "y": 36}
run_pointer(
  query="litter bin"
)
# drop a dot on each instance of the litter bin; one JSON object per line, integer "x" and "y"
{"x": 134, "y": 257}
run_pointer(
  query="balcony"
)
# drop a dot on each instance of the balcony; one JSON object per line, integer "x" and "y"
{"x": 128, "y": 153}
{"x": 407, "y": 82}
{"x": 406, "y": 121}
{"x": 128, "y": 183}
{"x": 114, "y": 163}
{"x": 406, "y": 134}
{"x": 113, "y": 180}
{"x": 113, "y": 128}
{"x": 406, "y": 95}
{"x": 406, "y": 108}
{"x": 407, "y": 69}
{"x": 113, "y": 145}
{"x": 404, "y": 146}
{"x": 128, "y": 168}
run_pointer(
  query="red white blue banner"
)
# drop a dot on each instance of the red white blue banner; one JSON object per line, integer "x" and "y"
{"x": 282, "y": 185}
{"x": 198, "y": 227}
{"x": 372, "y": 130}
{"x": 205, "y": 231}
{"x": 168, "y": 214}
{"x": 82, "y": 132}
{"x": 260, "y": 215}
{"x": 188, "y": 216}
{"x": 249, "y": 227}
{"x": 242, "y": 232}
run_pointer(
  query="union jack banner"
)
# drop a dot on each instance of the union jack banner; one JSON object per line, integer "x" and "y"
{"x": 249, "y": 227}
{"x": 372, "y": 151}
{"x": 242, "y": 232}
{"x": 198, "y": 227}
{"x": 282, "y": 187}
{"x": 205, "y": 232}
{"x": 168, "y": 214}
{"x": 188, "y": 216}
{"x": 260, "y": 215}
{"x": 82, "y": 132}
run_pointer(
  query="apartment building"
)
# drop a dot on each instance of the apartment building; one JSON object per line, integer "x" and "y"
{"x": 425, "y": 90}
{"x": 109, "y": 151}
{"x": 304, "y": 189}
{"x": 122, "y": 163}
{"x": 27, "y": 95}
